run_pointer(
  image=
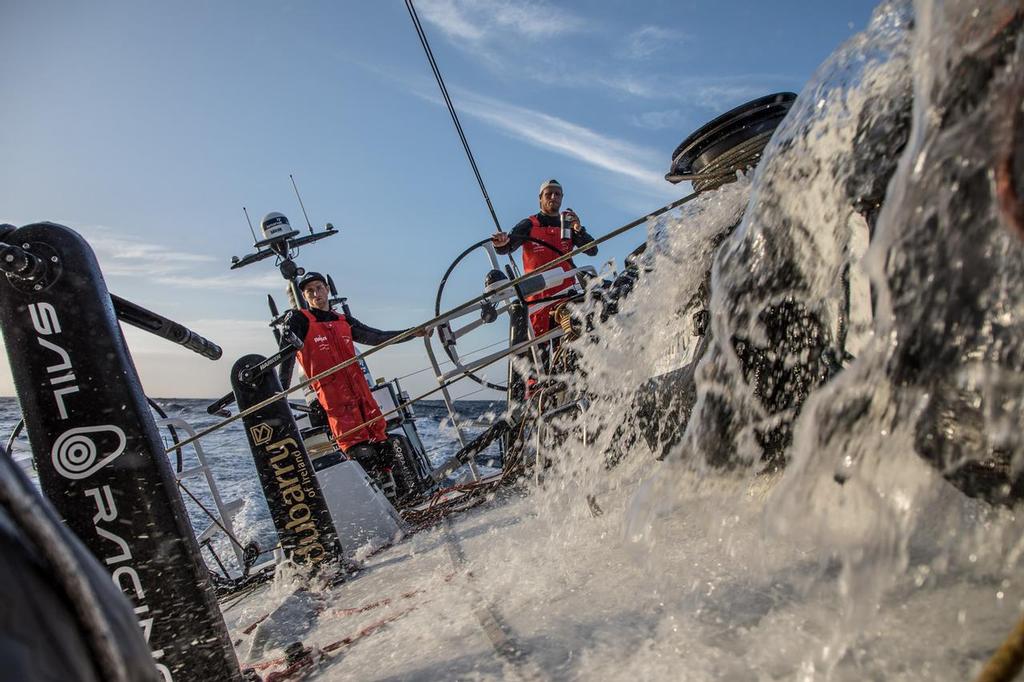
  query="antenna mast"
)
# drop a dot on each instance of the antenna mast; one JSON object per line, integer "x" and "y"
{"x": 246, "y": 212}
{"x": 308, "y": 224}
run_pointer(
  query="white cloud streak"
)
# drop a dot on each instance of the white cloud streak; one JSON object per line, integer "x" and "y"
{"x": 119, "y": 254}
{"x": 555, "y": 134}
{"x": 700, "y": 97}
{"x": 450, "y": 17}
{"x": 481, "y": 21}
{"x": 710, "y": 93}
{"x": 645, "y": 42}
{"x": 222, "y": 283}
{"x": 659, "y": 120}
{"x": 122, "y": 255}
{"x": 495, "y": 33}
{"x": 125, "y": 256}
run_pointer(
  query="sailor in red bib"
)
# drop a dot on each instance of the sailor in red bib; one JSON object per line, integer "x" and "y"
{"x": 329, "y": 339}
{"x": 542, "y": 241}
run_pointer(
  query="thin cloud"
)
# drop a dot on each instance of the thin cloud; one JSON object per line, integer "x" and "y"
{"x": 721, "y": 96}
{"x": 125, "y": 256}
{"x": 479, "y": 21}
{"x": 451, "y": 18}
{"x": 625, "y": 84}
{"x": 660, "y": 120}
{"x": 702, "y": 100}
{"x": 551, "y": 133}
{"x": 555, "y": 134}
{"x": 121, "y": 249}
{"x": 494, "y": 31}
{"x": 223, "y": 282}
{"x": 643, "y": 43}
{"x": 707, "y": 92}
{"x": 534, "y": 20}
{"x": 128, "y": 256}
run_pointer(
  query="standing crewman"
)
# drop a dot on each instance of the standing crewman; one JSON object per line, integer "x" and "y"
{"x": 544, "y": 237}
{"x": 328, "y": 339}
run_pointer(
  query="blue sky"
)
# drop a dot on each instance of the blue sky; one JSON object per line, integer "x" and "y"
{"x": 147, "y": 126}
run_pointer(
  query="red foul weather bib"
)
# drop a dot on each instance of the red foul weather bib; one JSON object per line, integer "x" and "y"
{"x": 344, "y": 395}
{"x": 535, "y": 256}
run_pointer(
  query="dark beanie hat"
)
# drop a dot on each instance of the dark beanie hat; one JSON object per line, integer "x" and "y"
{"x": 311, "y": 277}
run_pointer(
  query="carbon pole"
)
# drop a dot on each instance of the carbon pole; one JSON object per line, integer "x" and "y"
{"x": 31, "y": 268}
{"x": 147, "y": 320}
{"x": 429, "y": 324}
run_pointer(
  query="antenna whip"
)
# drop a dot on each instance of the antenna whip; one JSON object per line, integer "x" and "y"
{"x": 246, "y": 212}
{"x": 308, "y": 224}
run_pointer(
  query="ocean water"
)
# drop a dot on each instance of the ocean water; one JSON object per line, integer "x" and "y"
{"x": 230, "y": 460}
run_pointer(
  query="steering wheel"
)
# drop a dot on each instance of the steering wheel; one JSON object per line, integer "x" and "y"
{"x": 449, "y": 348}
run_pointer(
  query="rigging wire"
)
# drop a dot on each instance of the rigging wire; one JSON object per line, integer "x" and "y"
{"x": 451, "y": 108}
{"x": 466, "y": 395}
{"x": 213, "y": 517}
{"x": 449, "y": 362}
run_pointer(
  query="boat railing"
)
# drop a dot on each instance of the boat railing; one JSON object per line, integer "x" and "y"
{"x": 499, "y": 303}
{"x": 222, "y": 520}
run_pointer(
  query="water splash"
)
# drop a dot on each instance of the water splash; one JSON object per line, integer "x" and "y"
{"x": 840, "y": 393}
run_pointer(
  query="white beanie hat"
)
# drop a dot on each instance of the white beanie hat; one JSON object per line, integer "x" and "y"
{"x": 549, "y": 183}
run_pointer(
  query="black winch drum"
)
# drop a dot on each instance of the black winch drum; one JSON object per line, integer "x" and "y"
{"x": 711, "y": 156}
{"x": 98, "y": 452}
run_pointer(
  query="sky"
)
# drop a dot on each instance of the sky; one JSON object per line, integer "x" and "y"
{"x": 147, "y": 126}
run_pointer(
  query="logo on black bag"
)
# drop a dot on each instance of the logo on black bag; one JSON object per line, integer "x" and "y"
{"x": 261, "y": 434}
